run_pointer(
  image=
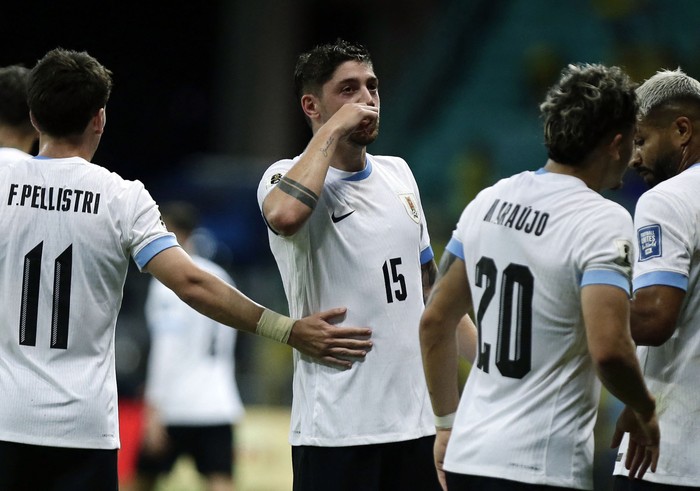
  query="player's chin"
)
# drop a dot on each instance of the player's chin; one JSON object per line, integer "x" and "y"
{"x": 364, "y": 137}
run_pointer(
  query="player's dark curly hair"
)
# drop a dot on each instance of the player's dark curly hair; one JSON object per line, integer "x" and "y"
{"x": 13, "y": 96}
{"x": 316, "y": 67}
{"x": 589, "y": 102}
{"x": 66, "y": 89}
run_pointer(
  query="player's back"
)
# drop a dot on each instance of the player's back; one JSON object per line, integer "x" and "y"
{"x": 69, "y": 228}
{"x": 529, "y": 405}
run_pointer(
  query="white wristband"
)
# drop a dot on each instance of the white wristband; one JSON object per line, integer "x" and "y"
{"x": 445, "y": 422}
{"x": 274, "y": 326}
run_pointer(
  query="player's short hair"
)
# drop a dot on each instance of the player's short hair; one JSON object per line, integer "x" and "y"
{"x": 316, "y": 67}
{"x": 589, "y": 102}
{"x": 14, "y": 110}
{"x": 66, "y": 89}
{"x": 664, "y": 88}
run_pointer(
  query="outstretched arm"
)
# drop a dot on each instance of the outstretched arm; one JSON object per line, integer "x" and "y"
{"x": 213, "y": 297}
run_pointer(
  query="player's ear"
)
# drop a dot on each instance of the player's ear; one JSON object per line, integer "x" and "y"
{"x": 33, "y": 120}
{"x": 683, "y": 130}
{"x": 99, "y": 120}
{"x": 615, "y": 146}
{"x": 310, "y": 106}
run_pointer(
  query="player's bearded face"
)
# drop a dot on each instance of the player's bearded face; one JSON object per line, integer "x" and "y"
{"x": 367, "y": 135}
{"x": 663, "y": 167}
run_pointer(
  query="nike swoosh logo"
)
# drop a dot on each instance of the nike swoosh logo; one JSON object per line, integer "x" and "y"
{"x": 341, "y": 217}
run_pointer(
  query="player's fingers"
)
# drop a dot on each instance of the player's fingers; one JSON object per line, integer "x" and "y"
{"x": 336, "y": 362}
{"x": 352, "y": 332}
{"x": 631, "y": 450}
{"x": 645, "y": 461}
{"x": 617, "y": 438}
{"x": 637, "y": 461}
{"x": 654, "y": 458}
{"x": 331, "y": 313}
{"x": 344, "y": 352}
{"x": 442, "y": 479}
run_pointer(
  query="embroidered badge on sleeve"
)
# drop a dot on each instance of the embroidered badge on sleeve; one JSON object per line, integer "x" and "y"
{"x": 649, "y": 242}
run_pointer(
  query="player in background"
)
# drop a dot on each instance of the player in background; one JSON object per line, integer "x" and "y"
{"x": 346, "y": 226}
{"x": 544, "y": 261}
{"x": 665, "y": 319}
{"x": 192, "y": 399}
{"x": 17, "y": 135}
{"x": 70, "y": 229}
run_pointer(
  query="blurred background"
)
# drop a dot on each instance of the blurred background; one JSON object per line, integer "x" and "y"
{"x": 203, "y": 103}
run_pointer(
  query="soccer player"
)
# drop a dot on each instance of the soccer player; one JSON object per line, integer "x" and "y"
{"x": 17, "y": 135}
{"x": 191, "y": 393}
{"x": 665, "y": 319}
{"x": 348, "y": 226}
{"x": 69, "y": 230}
{"x": 544, "y": 260}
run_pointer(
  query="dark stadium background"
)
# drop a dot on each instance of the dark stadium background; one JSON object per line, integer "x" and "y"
{"x": 203, "y": 102}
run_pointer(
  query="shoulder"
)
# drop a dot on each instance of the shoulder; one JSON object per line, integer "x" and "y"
{"x": 9, "y": 155}
{"x": 390, "y": 162}
{"x": 274, "y": 173}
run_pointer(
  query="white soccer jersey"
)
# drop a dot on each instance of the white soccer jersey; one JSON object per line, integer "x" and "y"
{"x": 530, "y": 243}
{"x": 191, "y": 363}
{"x": 666, "y": 219}
{"x": 9, "y": 155}
{"x": 69, "y": 228}
{"x": 362, "y": 248}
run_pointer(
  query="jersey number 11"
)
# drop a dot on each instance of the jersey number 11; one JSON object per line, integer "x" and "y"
{"x": 29, "y": 308}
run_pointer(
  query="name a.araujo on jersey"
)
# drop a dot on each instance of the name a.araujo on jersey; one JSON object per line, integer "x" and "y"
{"x": 513, "y": 215}
{"x": 50, "y": 198}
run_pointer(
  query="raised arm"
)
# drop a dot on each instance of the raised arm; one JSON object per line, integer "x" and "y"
{"x": 211, "y": 296}
{"x": 291, "y": 202}
{"x": 606, "y": 317}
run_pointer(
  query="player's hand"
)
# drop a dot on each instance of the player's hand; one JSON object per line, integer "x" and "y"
{"x": 316, "y": 337}
{"x": 356, "y": 118}
{"x": 439, "y": 449}
{"x": 643, "y": 448}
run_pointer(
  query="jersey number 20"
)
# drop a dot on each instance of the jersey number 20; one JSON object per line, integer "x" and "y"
{"x": 519, "y": 364}
{"x": 31, "y": 277}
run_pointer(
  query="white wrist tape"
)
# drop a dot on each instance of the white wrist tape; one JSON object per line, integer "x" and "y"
{"x": 445, "y": 422}
{"x": 274, "y": 326}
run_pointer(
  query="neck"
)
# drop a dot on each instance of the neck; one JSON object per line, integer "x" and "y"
{"x": 350, "y": 158}
{"x": 587, "y": 173}
{"x": 55, "y": 148}
{"x": 689, "y": 156}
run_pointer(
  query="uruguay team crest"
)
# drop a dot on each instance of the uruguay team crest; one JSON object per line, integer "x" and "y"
{"x": 410, "y": 203}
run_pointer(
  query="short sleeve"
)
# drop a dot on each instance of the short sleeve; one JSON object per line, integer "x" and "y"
{"x": 147, "y": 235}
{"x": 663, "y": 231}
{"x": 605, "y": 247}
